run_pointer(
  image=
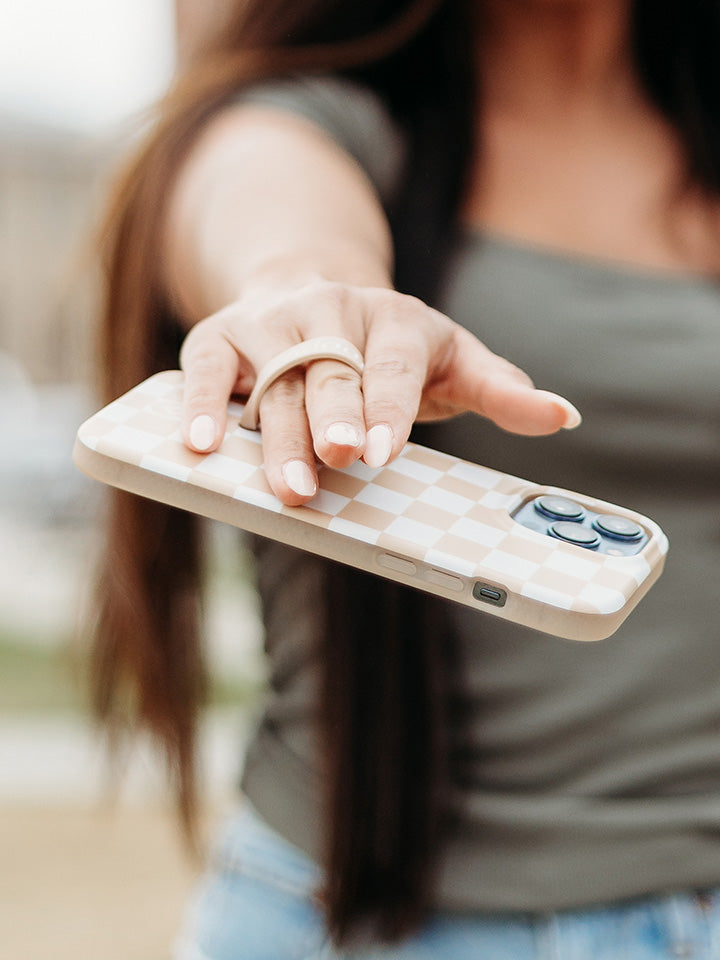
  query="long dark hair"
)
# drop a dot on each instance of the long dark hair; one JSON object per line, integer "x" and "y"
{"x": 387, "y": 757}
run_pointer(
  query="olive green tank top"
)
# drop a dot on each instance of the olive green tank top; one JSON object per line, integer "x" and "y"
{"x": 589, "y": 772}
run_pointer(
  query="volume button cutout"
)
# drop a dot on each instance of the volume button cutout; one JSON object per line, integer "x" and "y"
{"x": 446, "y": 580}
{"x": 398, "y": 564}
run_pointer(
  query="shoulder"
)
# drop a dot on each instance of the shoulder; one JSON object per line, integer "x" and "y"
{"x": 354, "y": 115}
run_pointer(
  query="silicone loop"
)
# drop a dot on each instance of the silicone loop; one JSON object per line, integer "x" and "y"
{"x": 318, "y": 348}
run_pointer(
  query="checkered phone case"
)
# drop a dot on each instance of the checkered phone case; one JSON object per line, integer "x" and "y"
{"x": 427, "y": 519}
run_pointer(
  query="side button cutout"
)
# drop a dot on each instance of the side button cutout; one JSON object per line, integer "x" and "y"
{"x": 495, "y": 596}
{"x": 447, "y": 580}
{"x": 398, "y": 564}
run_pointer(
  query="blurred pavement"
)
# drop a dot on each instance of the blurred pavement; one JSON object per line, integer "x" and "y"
{"x": 93, "y": 866}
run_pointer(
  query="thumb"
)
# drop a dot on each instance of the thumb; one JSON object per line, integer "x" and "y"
{"x": 481, "y": 381}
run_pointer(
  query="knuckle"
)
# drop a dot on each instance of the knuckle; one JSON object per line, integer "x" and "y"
{"x": 395, "y": 303}
{"x": 389, "y": 367}
{"x": 200, "y": 400}
{"x": 199, "y": 329}
{"x": 387, "y": 308}
{"x": 287, "y": 389}
{"x": 398, "y": 369}
{"x": 330, "y": 293}
{"x": 207, "y": 329}
{"x": 391, "y": 408}
{"x": 340, "y": 380}
{"x": 277, "y": 321}
{"x": 411, "y": 302}
{"x": 207, "y": 365}
{"x": 328, "y": 296}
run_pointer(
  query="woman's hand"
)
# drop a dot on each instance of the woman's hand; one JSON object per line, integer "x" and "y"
{"x": 419, "y": 365}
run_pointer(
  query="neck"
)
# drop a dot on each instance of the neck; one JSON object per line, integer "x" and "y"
{"x": 542, "y": 52}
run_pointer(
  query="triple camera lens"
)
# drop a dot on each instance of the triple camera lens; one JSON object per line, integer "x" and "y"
{"x": 568, "y": 525}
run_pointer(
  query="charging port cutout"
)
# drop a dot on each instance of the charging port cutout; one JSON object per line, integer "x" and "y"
{"x": 489, "y": 594}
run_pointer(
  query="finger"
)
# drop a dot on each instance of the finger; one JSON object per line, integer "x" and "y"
{"x": 333, "y": 390}
{"x": 220, "y": 356}
{"x": 211, "y": 366}
{"x": 477, "y": 379}
{"x": 334, "y": 404}
{"x": 287, "y": 443}
{"x": 397, "y": 352}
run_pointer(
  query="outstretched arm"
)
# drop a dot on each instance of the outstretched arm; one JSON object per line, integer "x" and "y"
{"x": 275, "y": 236}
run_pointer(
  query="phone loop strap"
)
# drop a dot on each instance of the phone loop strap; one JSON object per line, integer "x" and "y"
{"x": 318, "y": 348}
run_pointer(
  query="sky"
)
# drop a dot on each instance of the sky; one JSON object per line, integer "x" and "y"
{"x": 83, "y": 65}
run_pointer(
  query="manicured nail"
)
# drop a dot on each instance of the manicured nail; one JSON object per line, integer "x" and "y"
{"x": 573, "y": 417}
{"x": 298, "y": 477}
{"x": 202, "y": 432}
{"x": 343, "y": 434}
{"x": 378, "y": 445}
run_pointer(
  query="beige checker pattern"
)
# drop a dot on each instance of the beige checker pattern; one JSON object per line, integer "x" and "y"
{"x": 445, "y": 514}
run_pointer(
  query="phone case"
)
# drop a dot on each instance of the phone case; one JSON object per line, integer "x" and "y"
{"x": 427, "y": 519}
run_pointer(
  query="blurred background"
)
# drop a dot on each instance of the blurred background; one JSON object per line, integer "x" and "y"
{"x": 92, "y": 865}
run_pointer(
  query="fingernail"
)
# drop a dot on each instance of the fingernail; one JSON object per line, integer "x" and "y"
{"x": 573, "y": 417}
{"x": 298, "y": 477}
{"x": 202, "y": 432}
{"x": 378, "y": 445}
{"x": 343, "y": 434}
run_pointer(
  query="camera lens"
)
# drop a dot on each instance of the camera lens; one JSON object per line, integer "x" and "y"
{"x": 559, "y": 508}
{"x": 574, "y": 533}
{"x": 618, "y": 527}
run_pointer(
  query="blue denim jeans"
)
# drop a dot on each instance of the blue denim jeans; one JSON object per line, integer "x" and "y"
{"x": 256, "y": 903}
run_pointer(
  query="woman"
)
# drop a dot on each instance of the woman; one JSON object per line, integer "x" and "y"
{"x": 425, "y": 781}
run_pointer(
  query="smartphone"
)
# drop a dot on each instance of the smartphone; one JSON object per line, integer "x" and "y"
{"x": 550, "y": 559}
